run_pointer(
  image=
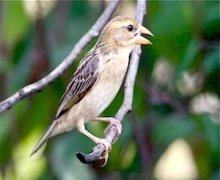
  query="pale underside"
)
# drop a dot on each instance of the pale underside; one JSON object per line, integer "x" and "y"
{"x": 99, "y": 97}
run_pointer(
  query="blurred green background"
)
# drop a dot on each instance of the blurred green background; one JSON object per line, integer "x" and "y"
{"x": 173, "y": 131}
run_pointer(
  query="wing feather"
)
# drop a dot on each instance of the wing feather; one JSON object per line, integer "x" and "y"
{"x": 83, "y": 79}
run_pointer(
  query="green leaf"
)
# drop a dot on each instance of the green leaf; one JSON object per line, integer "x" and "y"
{"x": 211, "y": 131}
{"x": 4, "y": 126}
{"x": 172, "y": 127}
{"x": 190, "y": 55}
{"x": 211, "y": 61}
{"x": 172, "y": 29}
{"x": 15, "y": 22}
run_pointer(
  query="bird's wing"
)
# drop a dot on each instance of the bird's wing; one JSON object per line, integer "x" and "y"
{"x": 83, "y": 79}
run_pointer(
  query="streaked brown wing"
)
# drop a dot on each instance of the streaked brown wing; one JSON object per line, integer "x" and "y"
{"x": 83, "y": 79}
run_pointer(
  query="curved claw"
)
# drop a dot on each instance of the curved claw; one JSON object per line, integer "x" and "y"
{"x": 106, "y": 144}
{"x": 114, "y": 122}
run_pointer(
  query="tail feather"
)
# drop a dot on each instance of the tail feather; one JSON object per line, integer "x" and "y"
{"x": 44, "y": 138}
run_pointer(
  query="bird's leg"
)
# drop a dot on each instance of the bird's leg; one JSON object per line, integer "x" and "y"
{"x": 81, "y": 128}
{"x": 112, "y": 122}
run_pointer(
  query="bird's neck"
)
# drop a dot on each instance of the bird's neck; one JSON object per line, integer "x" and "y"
{"x": 110, "y": 48}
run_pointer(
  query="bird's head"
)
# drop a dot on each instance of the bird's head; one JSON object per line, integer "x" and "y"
{"x": 124, "y": 32}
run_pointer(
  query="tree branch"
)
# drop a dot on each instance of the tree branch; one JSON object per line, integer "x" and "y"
{"x": 96, "y": 155}
{"x": 44, "y": 82}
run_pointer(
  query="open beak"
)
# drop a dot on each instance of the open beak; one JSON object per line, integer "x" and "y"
{"x": 140, "y": 39}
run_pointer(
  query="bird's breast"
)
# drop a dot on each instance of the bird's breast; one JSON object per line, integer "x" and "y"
{"x": 107, "y": 86}
{"x": 103, "y": 91}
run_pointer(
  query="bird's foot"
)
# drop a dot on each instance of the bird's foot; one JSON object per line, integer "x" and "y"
{"x": 108, "y": 147}
{"x": 106, "y": 144}
{"x": 114, "y": 122}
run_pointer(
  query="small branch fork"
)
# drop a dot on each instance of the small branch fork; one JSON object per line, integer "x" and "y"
{"x": 44, "y": 82}
{"x": 96, "y": 156}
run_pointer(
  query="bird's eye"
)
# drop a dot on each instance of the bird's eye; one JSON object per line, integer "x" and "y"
{"x": 130, "y": 28}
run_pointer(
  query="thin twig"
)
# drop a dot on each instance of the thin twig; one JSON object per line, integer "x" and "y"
{"x": 111, "y": 135}
{"x": 44, "y": 82}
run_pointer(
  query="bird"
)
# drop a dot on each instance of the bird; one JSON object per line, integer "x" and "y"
{"x": 97, "y": 80}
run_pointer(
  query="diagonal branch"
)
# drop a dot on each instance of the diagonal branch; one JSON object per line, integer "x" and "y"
{"x": 111, "y": 135}
{"x": 44, "y": 82}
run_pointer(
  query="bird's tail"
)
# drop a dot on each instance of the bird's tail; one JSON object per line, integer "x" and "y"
{"x": 44, "y": 138}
